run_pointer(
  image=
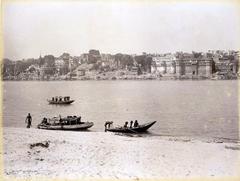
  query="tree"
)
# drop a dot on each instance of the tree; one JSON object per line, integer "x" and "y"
{"x": 92, "y": 59}
{"x": 64, "y": 70}
{"x": 93, "y": 56}
{"x": 123, "y": 60}
{"x": 148, "y": 63}
{"x": 50, "y": 64}
{"x": 41, "y": 61}
{"x": 144, "y": 62}
{"x": 49, "y": 60}
{"x": 65, "y": 56}
{"x": 94, "y": 52}
{"x": 8, "y": 67}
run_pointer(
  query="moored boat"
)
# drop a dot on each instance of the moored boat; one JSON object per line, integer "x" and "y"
{"x": 137, "y": 129}
{"x": 72, "y": 123}
{"x": 60, "y": 100}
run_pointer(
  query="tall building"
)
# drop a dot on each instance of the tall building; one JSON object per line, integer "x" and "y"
{"x": 164, "y": 64}
{"x": 194, "y": 66}
{"x": 183, "y": 65}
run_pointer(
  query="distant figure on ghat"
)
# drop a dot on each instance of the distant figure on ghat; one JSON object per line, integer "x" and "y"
{"x": 28, "y": 120}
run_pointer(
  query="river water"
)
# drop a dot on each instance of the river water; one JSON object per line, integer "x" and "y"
{"x": 181, "y": 108}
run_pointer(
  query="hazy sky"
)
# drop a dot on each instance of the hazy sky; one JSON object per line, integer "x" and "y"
{"x": 114, "y": 26}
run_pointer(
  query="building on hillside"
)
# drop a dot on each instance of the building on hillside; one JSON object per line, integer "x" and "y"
{"x": 185, "y": 64}
{"x": 46, "y": 71}
{"x": 164, "y": 64}
{"x": 225, "y": 65}
{"x": 65, "y": 56}
{"x": 134, "y": 70}
{"x": 107, "y": 60}
{"x": 31, "y": 73}
{"x": 83, "y": 58}
{"x": 93, "y": 56}
{"x": 59, "y": 63}
{"x": 194, "y": 66}
{"x": 78, "y": 72}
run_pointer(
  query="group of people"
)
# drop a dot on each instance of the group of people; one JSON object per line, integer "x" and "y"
{"x": 107, "y": 123}
{"x": 59, "y": 99}
{"x": 56, "y": 99}
{"x": 131, "y": 124}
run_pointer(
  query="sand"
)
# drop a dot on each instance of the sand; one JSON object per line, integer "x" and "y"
{"x": 33, "y": 153}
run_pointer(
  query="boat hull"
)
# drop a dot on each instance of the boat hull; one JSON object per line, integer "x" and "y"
{"x": 76, "y": 127}
{"x": 139, "y": 129}
{"x": 61, "y": 103}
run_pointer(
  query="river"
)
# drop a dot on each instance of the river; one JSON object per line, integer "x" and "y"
{"x": 181, "y": 108}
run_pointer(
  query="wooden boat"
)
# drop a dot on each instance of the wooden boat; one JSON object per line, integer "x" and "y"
{"x": 138, "y": 129}
{"x": 72, "y": 123}
{"x": 60, "y": 100}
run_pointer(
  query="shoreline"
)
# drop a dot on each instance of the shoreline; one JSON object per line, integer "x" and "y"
{"x": 121, "y": 80}
{"x": 31, "y": 153}
{"x": 212, "y": 139}
{"x": 113, "y": 76}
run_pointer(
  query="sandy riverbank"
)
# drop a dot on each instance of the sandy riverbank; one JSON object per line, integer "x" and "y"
{"x": 105, "y": 155}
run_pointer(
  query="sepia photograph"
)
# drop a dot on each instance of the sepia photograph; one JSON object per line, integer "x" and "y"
{"x": 120, "y": 90}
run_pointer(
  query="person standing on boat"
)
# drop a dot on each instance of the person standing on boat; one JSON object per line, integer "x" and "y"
{"x": 135, "y": 123}
{"x": 131, "y": 123}
{"x": 60, "y": 121}
{"x": 28, "y": 120}
{"x": 126, "y": 124}
{"x": 44, "y": 121}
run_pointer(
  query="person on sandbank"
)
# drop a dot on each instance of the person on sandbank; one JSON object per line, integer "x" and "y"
{"x": 28, "y": 120}
{"x": 107, "y": 125}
